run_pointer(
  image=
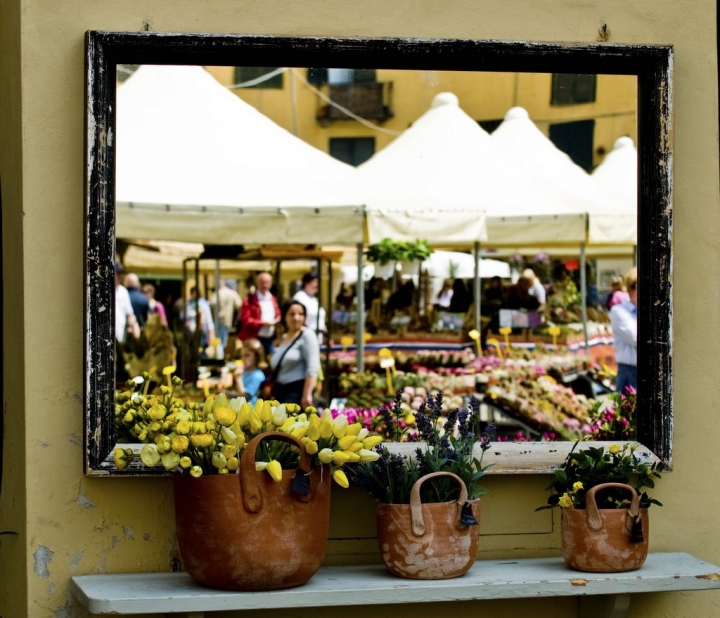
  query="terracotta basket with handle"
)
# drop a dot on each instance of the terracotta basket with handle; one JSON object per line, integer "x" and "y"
{"x": 602, "y": 540}
{"x": 429, "y": 541}
{"x": 246, "y": 531}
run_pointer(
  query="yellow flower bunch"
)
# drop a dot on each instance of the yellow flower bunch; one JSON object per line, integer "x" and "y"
{"x": 209, "y": 439}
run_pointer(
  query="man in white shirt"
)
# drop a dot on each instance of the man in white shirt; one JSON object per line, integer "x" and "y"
{"x": 623, "y": 319}
{"x": 124, "y": 315}
{"x": 314, "y": 313}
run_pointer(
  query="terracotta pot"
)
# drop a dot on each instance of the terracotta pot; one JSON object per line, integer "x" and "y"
{"x": 600, "y": 540}
{"x": 246, "y": 531}
{"x": 428, "y": 541}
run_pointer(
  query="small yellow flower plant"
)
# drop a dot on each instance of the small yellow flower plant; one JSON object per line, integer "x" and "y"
{"x": 210, "y": 438}
{"x": 583, "y": 469}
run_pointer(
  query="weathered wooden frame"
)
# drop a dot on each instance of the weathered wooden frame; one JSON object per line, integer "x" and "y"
{"x": 651, "y": 64}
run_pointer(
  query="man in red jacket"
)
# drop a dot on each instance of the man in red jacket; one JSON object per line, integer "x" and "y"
{"x": 260, "y": 313}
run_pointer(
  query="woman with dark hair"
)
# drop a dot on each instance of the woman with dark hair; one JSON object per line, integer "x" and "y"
{"x": 296, "y": 360}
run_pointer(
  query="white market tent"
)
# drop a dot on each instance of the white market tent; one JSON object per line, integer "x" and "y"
{"x": 559, "y": 179}
{"x": 197, "y": 164}
{"x": 440, "y": 263}
{"x": 446, "y": 157}
{"x": 616, "y": 177}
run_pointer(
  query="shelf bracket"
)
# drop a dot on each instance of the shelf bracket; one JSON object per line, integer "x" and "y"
{"x": 604, "y": 606}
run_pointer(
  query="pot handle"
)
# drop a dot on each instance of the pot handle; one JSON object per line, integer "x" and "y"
{"x": 416, "y": 516}
{"x": 249, "y": 477}
{"x": 593, "y": 516}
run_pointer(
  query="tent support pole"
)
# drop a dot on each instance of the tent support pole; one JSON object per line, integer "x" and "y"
{"x": 183, "y": 317}
{"x": 583, "y": 295}
{"x": 476, "y": 287}
{"x": 328, "y": 327}
{"x": 217, "y": 298}
{"x": 360, "y": 303}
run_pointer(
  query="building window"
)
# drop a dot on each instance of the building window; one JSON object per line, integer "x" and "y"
{"x": 572, "y": 88}
{"x": 320, "y": 76}
{"x": 246, "y": 74}
{"x": 576, "y": 140}
{"x": 490, "y": 125}
{"x": 352, "y": 150}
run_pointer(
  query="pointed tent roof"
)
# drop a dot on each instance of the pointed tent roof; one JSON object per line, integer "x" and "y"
{"x": 195, "y": 163}
{"x": 446, "y": 157}
{"x": 616, "y": 177}
{"x": 559, "y": 179}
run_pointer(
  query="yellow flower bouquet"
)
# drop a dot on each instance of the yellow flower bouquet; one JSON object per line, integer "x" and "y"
{"x": 196, "y": 439}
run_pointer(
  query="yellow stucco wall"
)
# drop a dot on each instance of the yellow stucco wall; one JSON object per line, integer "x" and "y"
{"x": 482, "y": 96}
{"x": 69, "y": 524}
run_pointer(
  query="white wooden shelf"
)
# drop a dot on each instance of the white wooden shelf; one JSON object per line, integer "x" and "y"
{"x": 177, "y": 593}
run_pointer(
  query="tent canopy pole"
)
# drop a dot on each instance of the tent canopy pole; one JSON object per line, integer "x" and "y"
{"x": 360, "y": 303}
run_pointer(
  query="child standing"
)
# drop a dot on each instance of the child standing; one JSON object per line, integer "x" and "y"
{"x": 249, "y": 374}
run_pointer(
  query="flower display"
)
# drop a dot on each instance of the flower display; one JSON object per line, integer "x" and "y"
{"x": 210, "y": 438}
{"x": 614, "y": 418}
{"x": 450, "y": 447}
{"x": 583, "y": 469}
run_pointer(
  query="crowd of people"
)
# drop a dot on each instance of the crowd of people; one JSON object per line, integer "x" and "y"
{"x": 276, "y": 349}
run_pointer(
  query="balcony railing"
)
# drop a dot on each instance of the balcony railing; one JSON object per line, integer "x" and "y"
{"x": 372, "y": 100}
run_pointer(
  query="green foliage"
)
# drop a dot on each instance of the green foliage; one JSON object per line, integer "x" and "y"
{"x": 389, "y": 250}
{"x": 587, "y": 468}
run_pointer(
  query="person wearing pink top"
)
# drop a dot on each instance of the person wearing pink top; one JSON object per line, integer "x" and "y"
{"x": 618, "y": 294}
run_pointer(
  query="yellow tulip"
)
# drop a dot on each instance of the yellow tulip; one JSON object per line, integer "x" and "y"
{"x": 292, "y": 408}
{"x": 351, "y": 457}
{"x": 185, "y": 462}
{"x": 170, "y": 460}
{"x": 201, "y": 440}
{"x": 157, "y": 412}
{"x": 229, "y": 450}
{"x": 218, "y": 460}
{"x": 225, "y": 416}
{"x": 207, "y": 406}
{"x": 339, "y": 458}
{"x": 196, "y": 471}
{"x": 372, "y": 442}
{"x": 240, "y": 441}
{"x": 256, "y": 423}
{"x": 198, "y": 427}
{"x": 233, "y": 464}
{"x": 366, "y": 455}
{"x": 244, "y": 414}
{"x": 210, "y": 424}
{"x": 149, "y": 455}
{"x": 163, "y": 443}
{"x": 363, "y": 434}
{"x": 340, "y": 426}
{"x": 180, "y": 444}
{"x": 266, "y": 414}
{"x": 354, "y": 447}
{"x": 311, "y": 447}
{"x": 223, "y": 471}
{"x": 228, "y": 435}
{"x": 410, "y": 419}
{"x": 279, "y": 415}
{"x": 345, "y": 442}
{"x": 154, "y": 427}
{"x": 353, "y": 430}
{"x": 313, "y": 431}
{"x": 183, "y": 427}
{"x": 299, "y": 432}
{"x": 120, "y": 459}
{"x": 326, "y": 425}
{"x": 326, "y": 455}
{"x": 340, "y": 478}
{"x": 274, "y": 469}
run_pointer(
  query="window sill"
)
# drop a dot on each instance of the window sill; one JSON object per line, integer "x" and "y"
{"x": 336, "y": 586}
